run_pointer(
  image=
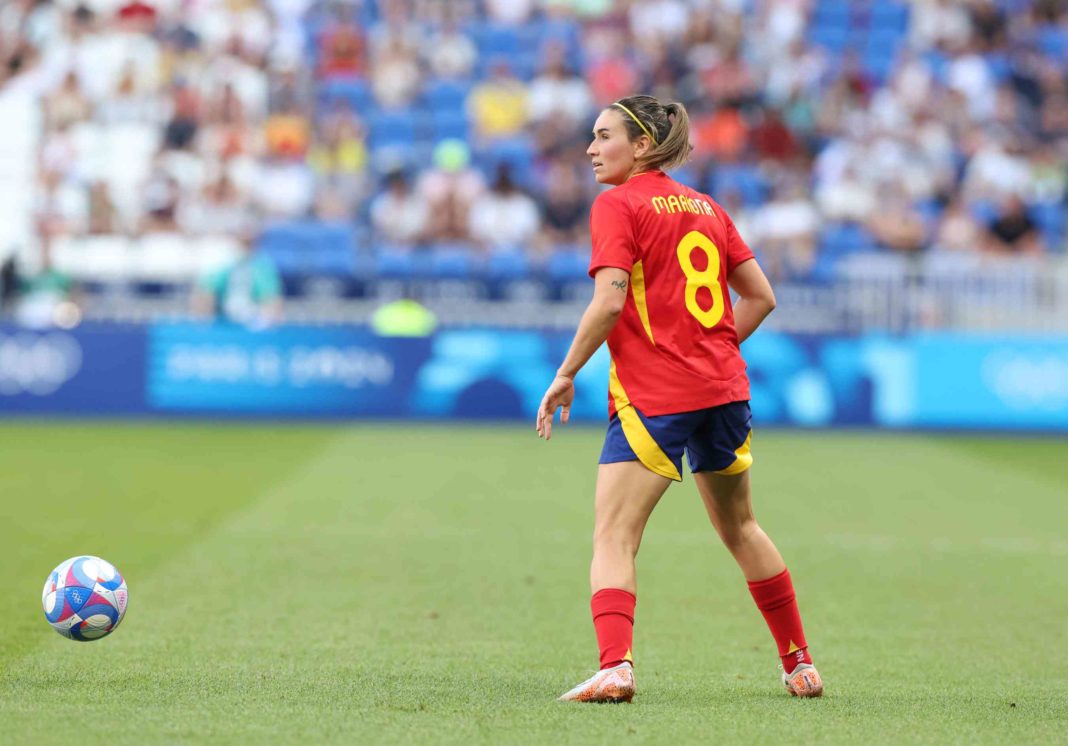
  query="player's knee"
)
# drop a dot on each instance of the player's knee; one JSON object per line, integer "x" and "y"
{"x": 737, "y": 534}
{"x": 615, "y": 539}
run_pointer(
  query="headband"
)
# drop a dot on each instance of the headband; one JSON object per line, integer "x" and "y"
{"x": 637, "y": 121}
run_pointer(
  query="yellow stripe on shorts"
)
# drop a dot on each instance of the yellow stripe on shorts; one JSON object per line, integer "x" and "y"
{"x": 743, "y": 459}
{"x": 641, "y": 442}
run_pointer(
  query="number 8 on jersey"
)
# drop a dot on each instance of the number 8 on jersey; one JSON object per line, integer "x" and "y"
{"x": 698, "y": 278}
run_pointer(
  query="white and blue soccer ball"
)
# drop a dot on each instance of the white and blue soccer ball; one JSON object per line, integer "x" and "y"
{"x": 85, "y": 598}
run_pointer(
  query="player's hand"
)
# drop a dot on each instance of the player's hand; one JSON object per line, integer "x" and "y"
{"x": 560, "y": 394}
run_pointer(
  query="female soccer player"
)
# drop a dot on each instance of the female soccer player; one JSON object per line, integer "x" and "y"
{"x": 663, "y": 256}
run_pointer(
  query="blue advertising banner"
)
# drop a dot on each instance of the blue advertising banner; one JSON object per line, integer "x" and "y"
{"x": 97, "y": 369}
{"x": 307, "y": 371}
{"x": 919, "y": 381}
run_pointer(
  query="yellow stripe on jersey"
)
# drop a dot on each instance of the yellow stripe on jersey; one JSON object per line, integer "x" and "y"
{"x": 615, "y": 388}
{"x": 641, "y": 442}
{"x": 637, "y": 285}
{"x": 743, "y": 459}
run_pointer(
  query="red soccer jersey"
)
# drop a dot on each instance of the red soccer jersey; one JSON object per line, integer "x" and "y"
{"x": 674, "y": 348}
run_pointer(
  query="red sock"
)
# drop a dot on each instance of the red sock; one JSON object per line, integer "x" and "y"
{"x": 776, "y": 600}
{"x": 613, "y": 619}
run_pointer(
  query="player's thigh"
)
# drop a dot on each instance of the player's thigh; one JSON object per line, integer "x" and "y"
{"x": 626, "y": 494}
{"x": 727, "y": 497}
{"x": 720, "y": 457}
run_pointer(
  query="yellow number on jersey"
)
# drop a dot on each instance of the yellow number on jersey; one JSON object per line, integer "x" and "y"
{"x": 706, "y": 278}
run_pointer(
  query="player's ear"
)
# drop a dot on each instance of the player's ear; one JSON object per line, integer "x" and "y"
{"x": 641, "y": 146}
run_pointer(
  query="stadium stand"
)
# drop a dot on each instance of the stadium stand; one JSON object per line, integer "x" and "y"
{"x": 138, "y": 135}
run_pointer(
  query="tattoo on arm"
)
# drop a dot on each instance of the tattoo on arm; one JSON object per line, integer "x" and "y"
{"x": 620, "y": 285}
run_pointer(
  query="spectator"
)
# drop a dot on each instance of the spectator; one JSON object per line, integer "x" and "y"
{"x": 498, "y": 106}
{"x": 339, "y": 155}
{"x": 246, "y": 291}
{"x": 786, "y": 229}
{"x": 399, "y": 216}
{"x": 565, "y": 207}
{"x": 450, "y": 53}
{"x": 557, "y": 92}
{"x": 219, "y": 209}
{"x": 611, "y": 72}
{"x": 103, "y": 217}
{"x": 160, "y": 197}
{"x": 283, "y": 188}
{"x": 342, "y": 47}
{"x": 772, "y": 139}
{"x": 128, "y": 103}
{"x": 181, "y": 130}
{"x": 46, "y": 297}
{"x": 449, "y": 189}
{"x": 896, "y": 224}
{"x": 510, "y": 12}
{"x": 68, "y": 105}
{"x": 721, "y": 135}
{"x": 1012, "y": 231}
{"x": 504, "y": 217}
{"x": 288, "y": 134}
{"x": 957, "y": 230}
{"x": 61, "y": 208}
{"x": 396, "y": 78}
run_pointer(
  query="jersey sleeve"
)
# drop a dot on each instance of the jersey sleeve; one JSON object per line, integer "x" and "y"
{"x": 612, "y": 234}
{"x": 738, "y": 250}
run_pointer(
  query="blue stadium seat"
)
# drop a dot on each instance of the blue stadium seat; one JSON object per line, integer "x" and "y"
{"x": 333, "y": 263}
{"x": 1053, "y": 42}
{"x": 446, "y": 95}
{"x": 931, "y": 211}
{"x": 288, "y": 260}
{"x": 309, "y": 247}
{"x": 938, "y": 64}
{"x": 833, "y": 13}
{"x": 687, "y": 175}
{"x": 524, "y": 65}
{"x": 983, "y": 212}
{"x": 1051, "y": 219}
{"x": 450, "y": 124}
{"x": 511, "y": 264}
{"x": 354, "y": 91}
{"x": 536, "y": 34}
{"x": 832, "y": 38}
{"x": 878, "y": 62}
{"x": 840, "y": 239}
{"x": 451, "y": 262}
{"x": 395, "y": 263}
{"x": 388, "y": 128}
{"x": 745, "y": 179}
{"x": 889, "y": 15}
{"x": 568, "y": 264}
{"x": 495, "y": 39}
{"x": 517, "y": 153}
{"x": 999, "y": 65}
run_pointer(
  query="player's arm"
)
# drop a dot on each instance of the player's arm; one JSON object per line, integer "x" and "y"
{"x": 756, "y": 299}
{"x": 609, "y": 294}
{"x": 610, "y": 288}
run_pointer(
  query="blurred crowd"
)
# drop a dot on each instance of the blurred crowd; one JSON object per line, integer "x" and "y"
{"x": 828, "y": 129}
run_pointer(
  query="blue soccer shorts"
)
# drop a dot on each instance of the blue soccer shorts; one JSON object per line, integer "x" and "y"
{"x": 715, "y": 439}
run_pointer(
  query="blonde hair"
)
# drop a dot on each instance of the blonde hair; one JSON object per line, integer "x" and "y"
{"x": 666, "y": 125}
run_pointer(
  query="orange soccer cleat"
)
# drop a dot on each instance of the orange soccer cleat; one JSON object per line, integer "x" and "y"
{"x": 609, "y": 685}
{"x": 804, "y": 681}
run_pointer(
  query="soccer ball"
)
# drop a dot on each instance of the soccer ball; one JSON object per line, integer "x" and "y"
{"x": 84, "y": 598}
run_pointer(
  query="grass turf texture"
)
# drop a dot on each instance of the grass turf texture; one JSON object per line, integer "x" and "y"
{"x": 384, "y": 584}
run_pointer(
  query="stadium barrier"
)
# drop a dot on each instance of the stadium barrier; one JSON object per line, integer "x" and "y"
{"x": 922, "y": 380}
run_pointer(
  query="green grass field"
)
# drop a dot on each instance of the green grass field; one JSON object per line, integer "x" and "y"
{"x": 417, "y": 584}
